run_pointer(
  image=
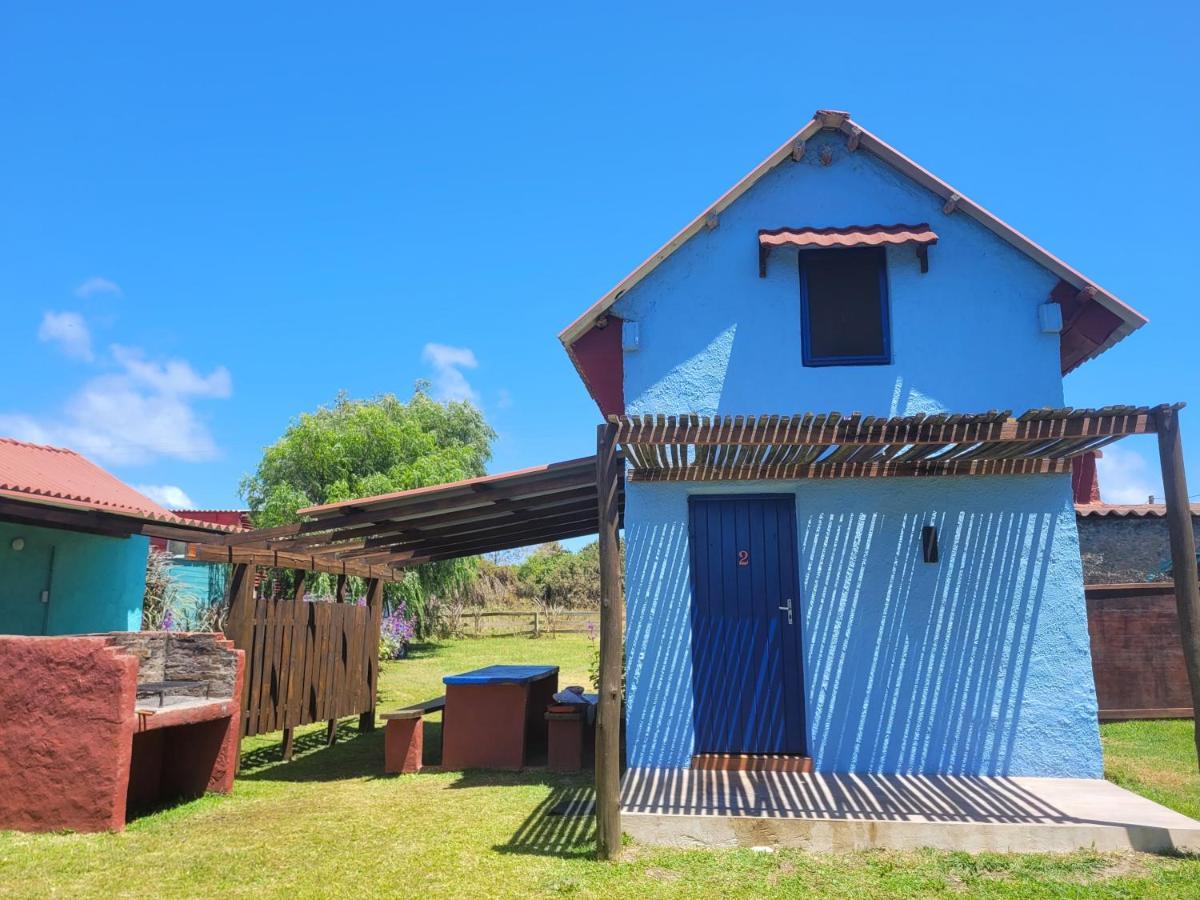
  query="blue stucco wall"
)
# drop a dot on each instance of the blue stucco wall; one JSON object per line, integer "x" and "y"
{"x": 977, "y": 664}
{"x": 97, "y": 582}
{"x": 717, "y": 338}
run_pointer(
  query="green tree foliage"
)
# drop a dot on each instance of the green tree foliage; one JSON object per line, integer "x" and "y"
{"x": 358, "y": 448}
{"x": 553, "y": 576}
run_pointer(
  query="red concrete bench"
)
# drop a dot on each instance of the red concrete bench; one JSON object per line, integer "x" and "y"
{"x": 404, "y": 736}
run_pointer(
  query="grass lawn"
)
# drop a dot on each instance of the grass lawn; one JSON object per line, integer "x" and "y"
{"x": 331, "y": 824}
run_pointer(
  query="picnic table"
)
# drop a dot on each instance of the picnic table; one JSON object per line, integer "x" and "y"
{"x": 495, "y": 715}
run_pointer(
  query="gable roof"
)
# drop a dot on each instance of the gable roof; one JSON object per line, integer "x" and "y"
{"x": 858, "y": 138}
{"x": 55, "y": 476}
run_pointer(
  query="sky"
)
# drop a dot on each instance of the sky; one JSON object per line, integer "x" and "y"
{"x": 214, "y": 217}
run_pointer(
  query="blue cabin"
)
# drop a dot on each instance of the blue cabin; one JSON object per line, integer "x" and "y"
{"x": 860, "y": 624}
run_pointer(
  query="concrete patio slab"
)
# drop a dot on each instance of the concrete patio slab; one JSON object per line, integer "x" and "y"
{"x": 694, "y": 808}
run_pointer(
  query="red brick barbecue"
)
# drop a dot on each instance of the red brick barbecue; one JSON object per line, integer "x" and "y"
{"x": 97, "y": 728}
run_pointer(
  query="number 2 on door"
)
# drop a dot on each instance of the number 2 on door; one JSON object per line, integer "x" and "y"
{"x": 743, "y": 558}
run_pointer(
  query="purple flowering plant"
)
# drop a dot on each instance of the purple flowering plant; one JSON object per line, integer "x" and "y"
{"x": 396, "y": 632}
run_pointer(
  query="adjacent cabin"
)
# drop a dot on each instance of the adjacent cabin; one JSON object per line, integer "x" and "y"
{"x": 803, "y": 602}
{"x": 74, "y": 542}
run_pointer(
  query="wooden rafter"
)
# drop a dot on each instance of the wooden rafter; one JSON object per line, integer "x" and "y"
{"x": 381, "y": 536}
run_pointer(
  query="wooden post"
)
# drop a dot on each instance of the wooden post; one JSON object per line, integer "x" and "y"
{"x": 366, "y": 720}
{"x": 1183, "y": 551}
{"x": 339, "y": 596}
{"x": 609, "y": 472}
{"x": 239, "y": 628}
{"x": 287, "y": 745}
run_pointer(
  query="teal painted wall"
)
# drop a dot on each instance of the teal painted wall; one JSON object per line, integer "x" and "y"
{"x": 199, "y": 584}
{"x": 97, "y": 582}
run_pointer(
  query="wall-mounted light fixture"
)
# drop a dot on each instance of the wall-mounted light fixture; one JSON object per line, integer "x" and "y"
{"x": 929, "y": 547}
{"x": 18, "y": 544}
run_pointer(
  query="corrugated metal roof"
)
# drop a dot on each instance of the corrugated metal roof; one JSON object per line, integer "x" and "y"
{"x": 851, "y": 236}
{"x": 64, "y": 478}
{"x": 1126, "y": 510}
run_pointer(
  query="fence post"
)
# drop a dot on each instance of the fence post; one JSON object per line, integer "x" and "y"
{"x": 339, "y": 596}
{"x": 287, "y": 746}
{"x": 366, "y": 720}
{"x": 536, "y": 623}
{"x": 239, "y": 628}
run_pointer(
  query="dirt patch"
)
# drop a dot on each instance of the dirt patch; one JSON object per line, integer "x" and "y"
{"x": 660, "y": 874}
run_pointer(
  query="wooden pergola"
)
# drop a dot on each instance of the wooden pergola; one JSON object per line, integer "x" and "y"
{"x": 380, "y": 537}
{"x": 723, "y": 448}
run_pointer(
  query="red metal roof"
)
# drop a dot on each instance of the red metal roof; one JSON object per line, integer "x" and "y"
{"x": 1126, "y": 510}
{"x": 36, "y": 472}
{"x": 851, "y": 236}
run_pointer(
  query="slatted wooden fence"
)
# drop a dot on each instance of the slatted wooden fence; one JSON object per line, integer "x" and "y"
{"x": 305, "y": 661}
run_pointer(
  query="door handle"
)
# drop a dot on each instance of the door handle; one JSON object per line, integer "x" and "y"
{"x": 788, "y": 607}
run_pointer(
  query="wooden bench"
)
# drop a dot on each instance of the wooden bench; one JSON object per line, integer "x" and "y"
{"x": 404, "y": 735}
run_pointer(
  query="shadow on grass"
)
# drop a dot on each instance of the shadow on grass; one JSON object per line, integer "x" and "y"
{"x": 563, "y": 824}
{"x": 356, "y": 754}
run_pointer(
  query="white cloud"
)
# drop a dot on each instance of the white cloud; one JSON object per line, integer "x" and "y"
{"x": 169, "y": 495}
{"x": 97, "y": 285}
{"x": 69, "y": 331}
{"x": 449, "y": 383}
{"x": 1126, "y": 477}
{"x": 143, "y": 411}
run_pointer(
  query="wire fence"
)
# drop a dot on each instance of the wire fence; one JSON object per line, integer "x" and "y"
{"x": 514, "y": 622}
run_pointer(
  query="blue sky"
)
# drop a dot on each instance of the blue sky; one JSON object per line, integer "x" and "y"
{"x": 212, "y": 219}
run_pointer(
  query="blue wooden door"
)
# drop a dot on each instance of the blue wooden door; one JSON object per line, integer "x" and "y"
{"x": 747, "y": 672}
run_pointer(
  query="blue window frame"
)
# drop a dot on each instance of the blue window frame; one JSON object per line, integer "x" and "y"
{"x": 844, "y": 307}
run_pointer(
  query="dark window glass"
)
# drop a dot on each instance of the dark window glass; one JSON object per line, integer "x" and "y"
{"x": 843, "y": 299}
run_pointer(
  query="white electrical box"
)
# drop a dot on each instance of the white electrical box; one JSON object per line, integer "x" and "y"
{"x": 630, "y": 336}
{"x": 1050, "y": 318}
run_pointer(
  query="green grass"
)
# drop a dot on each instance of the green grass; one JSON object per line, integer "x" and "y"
{"x": 331, "y": 824}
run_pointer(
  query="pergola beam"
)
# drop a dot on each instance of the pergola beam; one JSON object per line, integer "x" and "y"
{"x": 276, "y": 560}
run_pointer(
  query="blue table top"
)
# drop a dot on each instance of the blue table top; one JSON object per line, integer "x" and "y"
{"x": 502, "y": 675}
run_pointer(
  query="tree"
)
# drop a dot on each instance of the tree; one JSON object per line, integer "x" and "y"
{"x": 359, "y": 448}
{"x": 554, "y": 576}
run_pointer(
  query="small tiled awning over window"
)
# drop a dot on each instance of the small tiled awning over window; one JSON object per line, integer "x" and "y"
{"x": 833, "y": 445}
{"x": 852, "y": 236}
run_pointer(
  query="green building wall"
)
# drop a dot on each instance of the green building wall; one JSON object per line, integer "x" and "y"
{"x": 95, "y": 583}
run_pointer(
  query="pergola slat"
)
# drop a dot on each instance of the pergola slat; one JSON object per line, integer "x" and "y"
{"x": 810, "y": 445}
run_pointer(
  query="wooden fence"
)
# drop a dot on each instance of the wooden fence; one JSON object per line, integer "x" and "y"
{"x": 1137, "y": 657}
{"x": 305, "y": 661}
{"x": 511, "y": 622}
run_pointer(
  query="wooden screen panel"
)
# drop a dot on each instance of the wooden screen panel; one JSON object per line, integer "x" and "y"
{"x": 305, "y": 662}
{"x": 1137, "y": 656}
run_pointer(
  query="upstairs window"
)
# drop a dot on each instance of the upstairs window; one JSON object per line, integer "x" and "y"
{"x": 844, "y": 307}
